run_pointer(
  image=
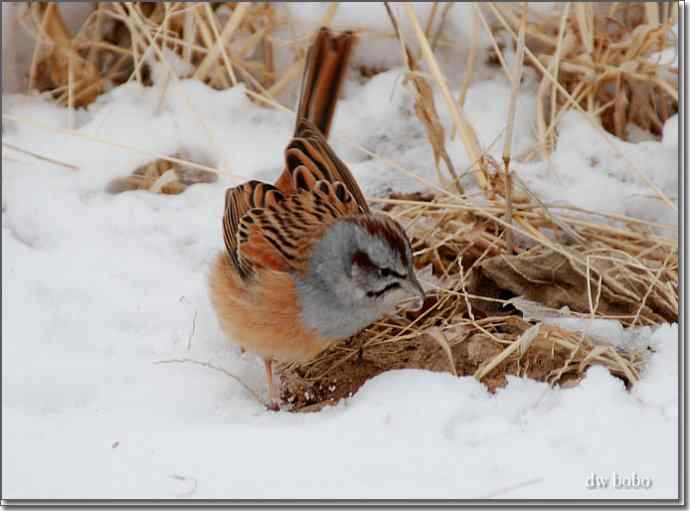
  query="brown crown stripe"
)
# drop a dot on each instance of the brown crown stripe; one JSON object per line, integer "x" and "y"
{"x": 361, "y": 259}
{"x": 386, "y": 229}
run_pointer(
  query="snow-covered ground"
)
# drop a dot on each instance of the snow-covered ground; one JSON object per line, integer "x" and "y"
{"x": 97, "y": 288}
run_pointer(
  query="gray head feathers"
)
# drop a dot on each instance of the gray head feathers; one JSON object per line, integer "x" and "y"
{"x": 358, "y": 271}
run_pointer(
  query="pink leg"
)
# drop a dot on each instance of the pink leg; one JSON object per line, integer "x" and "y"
{"x": 273, "y": 401}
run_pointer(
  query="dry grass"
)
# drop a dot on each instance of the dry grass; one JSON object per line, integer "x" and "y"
{"x": 425, "y": 107}
{"x": 602, "y": 53}
{"x": 119, "y": 42}
{"x": 599, "y": 55}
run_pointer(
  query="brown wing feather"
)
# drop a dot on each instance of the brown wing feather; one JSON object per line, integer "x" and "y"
{"x": 311, "y": 151}
{"x": 280, "y": 237}
{"x": 239, "y": 200}
{"x": 318, "y": 147}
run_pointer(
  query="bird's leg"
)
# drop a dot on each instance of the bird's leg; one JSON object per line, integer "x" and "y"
{"x": 273, "y": 401}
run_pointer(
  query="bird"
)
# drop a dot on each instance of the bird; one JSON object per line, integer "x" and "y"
{"x": 306, "y": 263}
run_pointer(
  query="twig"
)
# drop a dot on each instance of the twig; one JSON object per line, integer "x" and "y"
{"x": 464, "y": 290}
{"x": 233, "y": 23}
{"x": 654, "y": 282}
{"x": 215, "y": 368}
{"x": 191, "y": 334}
{"x": 221, "y": 41}
{"x": 467, "y": 133}
{"x": 68, "y": 166}
{"x": 439, "y": 30}
{"x": 430, "y": 19}
{"x": 512, "y": 107}
{"x": 471, "y": 64}
{"x": 494, "y": 43}
{"x": 557, "y": 58}
{"x": 92, "y": 138}
{"x": 38, "y": 46}
{"x": 425, "y": 108}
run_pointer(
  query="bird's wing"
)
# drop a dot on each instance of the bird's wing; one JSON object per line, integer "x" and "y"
{"x": 279, "y": 236}
{"x": 309, "y": 158}
{"x": 239, "y": 200}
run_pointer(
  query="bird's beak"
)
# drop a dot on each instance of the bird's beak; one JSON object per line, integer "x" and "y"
{"x": 415, "y": 289}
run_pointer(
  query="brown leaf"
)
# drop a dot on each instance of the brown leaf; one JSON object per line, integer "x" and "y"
{"x": 556, "y": 281}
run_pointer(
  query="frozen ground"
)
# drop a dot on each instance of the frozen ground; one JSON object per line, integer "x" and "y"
{"x": 97, "y": 288}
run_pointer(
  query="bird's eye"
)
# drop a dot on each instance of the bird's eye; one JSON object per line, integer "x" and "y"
{"x": 385, "y": 272}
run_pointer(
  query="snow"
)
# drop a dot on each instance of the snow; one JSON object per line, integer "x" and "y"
{"x": 98, "y": 288}
{"x": 584, "y": 161}
{"x": 670, "y": 135}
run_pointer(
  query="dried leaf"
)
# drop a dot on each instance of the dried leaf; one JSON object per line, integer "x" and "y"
{"x": 556, "y": 281}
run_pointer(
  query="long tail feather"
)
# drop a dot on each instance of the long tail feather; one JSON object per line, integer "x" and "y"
{"x": 323, "y": 76}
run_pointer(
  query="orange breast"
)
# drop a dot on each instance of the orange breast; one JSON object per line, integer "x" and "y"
{"x": 264, "y": 316}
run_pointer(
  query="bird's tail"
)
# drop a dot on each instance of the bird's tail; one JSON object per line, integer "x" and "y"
{"x": 323, "y": 75}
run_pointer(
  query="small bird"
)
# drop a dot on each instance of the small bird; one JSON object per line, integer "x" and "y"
{"x": 306, "y": 263}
